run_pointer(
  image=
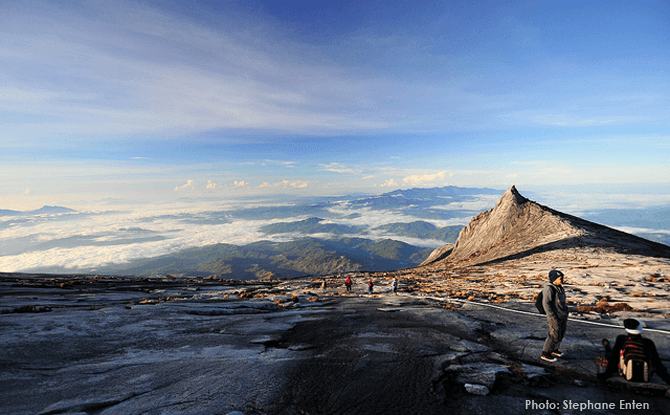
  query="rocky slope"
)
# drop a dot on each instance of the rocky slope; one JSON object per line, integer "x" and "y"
{"x": 518, "y": 228}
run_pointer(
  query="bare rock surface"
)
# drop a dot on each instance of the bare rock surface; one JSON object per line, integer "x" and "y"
{"x": 279, "y": 348}
{"x": 438, "y": 254}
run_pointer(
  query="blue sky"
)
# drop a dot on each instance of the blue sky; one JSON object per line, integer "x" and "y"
{"x": 168, "y": 101}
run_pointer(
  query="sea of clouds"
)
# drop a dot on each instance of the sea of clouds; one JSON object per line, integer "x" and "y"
{"x": 88, "y": 238}
{"x": 84, "y": 240}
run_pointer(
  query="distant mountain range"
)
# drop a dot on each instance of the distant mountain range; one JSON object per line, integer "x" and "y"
{"x": 416, "y": 229}
{"x": 311, "y": 226}
{"x": 263, "y": 260}
{"x": 422, "y": 230}
{"x": 651, "y": 218}
{"x": 45, "y": 210}
{"x": 654, "y": 219}
{"x": 426, "y": 203}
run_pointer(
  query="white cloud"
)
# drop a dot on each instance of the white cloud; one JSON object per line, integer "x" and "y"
{"x": 165, "y": 221}
{"x": 211, "y": 184}
{"x": 27, "y": 191}
{"x": 368, "y": 217}
{"x": 482, "y": 203}
{"x": 285, "y": 184}
{"x": 241, "y": 233}
{"x": 340, "y": 168}
{"x": 157, "y": 220}
{"x": 188, "y": 185}
{"x": 298, "y": 185}
{"x": 389, "y": 183}
{"x": 287, "y": 164}
{"x": 417, "y": 180}
{"x": 240, "y": 183}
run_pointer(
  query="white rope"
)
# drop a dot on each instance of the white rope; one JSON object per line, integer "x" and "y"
{"x": 540, "y": 315}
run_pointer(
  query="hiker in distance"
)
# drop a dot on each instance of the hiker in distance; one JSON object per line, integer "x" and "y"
{"x": 394, "y": 285}
{"x": 635, "y": 357}
{"x": 347, "y": 283}
{"x": 370, "y": 286}
{"x": 553, "y": 301}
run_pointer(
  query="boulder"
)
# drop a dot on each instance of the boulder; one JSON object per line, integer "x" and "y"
{"x": 476, "y": 389}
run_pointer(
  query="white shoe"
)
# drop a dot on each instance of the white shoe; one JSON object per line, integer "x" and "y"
{"x": 548, "y": 358}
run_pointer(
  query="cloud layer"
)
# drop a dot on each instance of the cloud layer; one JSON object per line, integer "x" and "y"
{"x": 89, "y": 240}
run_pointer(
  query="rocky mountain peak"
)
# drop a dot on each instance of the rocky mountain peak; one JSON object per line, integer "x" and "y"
{"x": 518, "y": 227}
{"x": 512, "y": 197}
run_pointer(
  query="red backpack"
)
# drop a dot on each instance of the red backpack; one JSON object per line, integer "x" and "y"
{"x": 633, "y": 363}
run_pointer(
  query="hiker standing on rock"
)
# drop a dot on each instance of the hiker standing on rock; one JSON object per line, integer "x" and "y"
{"x": 347, "y": 283}
{"x": 394, "y": 285}
{"x": 553, "y": 300}
{"x": 370, "y": 286}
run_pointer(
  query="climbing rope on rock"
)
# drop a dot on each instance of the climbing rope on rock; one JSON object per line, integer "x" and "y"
{"x": 594, "y": 323}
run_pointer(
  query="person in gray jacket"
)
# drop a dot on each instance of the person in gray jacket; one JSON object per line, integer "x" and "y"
{"x": 553, "y": 300}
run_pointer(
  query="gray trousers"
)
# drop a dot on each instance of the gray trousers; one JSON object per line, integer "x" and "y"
{"x": 556, "y": 332}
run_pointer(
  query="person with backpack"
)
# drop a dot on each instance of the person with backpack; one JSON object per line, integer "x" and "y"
{"x": 394, "y": 286}
{"x": 370, "y": 286}
{"x": 556, "y": 309}
{"x": 347, "y": 283}
{"x": 635, "y": 357}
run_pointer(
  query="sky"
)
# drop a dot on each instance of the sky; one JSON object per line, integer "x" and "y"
{"x": 158, "y": 103}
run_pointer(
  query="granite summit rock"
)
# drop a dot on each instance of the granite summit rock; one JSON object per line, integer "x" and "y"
{"x": 518, "y": 227}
